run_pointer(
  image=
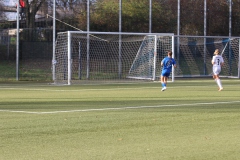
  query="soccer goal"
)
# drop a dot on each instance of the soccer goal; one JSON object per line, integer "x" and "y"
{"x": 109, "y": 56}
{"x": 196, "y": 52}
{"x": 151, "y": 52}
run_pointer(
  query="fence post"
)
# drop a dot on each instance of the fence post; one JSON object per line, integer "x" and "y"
{"x": 17, "y": 45}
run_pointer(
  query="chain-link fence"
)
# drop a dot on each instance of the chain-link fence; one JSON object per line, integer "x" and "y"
{"x": 36, "y": 45}
{"x": 35, "y": 54}
{"x": 193, "y": 55}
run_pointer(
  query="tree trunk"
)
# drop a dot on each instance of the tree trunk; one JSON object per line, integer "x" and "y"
{"x": 31, "y": 10}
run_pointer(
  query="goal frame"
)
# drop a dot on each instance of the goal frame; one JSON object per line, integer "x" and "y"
{"x": 156, "y": 37}
{"x": 69, "y": 50}
{"x": 228, "y": 45}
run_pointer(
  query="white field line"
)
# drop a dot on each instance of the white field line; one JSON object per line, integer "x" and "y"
{"x": 101, "y": 84}
{"x": 109, "y": 89}
{"x": 79, "y": 90}
{"x": 123, "y": 108}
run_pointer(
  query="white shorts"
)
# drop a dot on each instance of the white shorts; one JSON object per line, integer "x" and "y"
{"x": 216, "y": 70}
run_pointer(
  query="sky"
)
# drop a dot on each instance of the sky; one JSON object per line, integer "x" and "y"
{"x": 11, "y": 16}
{"x": 10, "y": 3}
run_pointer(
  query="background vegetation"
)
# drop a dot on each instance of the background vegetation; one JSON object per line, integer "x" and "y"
{"x": 37, "y": 34}
{"x": 104, "y": 15}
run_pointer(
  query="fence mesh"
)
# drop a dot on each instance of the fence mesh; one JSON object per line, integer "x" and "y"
{"x": 35, "y": 61}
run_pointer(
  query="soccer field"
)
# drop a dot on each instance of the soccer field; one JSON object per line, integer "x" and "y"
{"x": 191, "y": 120}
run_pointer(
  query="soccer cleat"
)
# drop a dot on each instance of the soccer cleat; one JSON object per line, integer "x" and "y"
{"x": 220, "y": 89}
{"x": 164, "y": 88}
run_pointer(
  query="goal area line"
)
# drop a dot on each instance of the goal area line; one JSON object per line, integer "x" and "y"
{"x": 123, "y": 108}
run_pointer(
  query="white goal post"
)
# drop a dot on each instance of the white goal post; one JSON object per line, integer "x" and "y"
{"x": 109, "y": 56}
{"x": 196, "y": 52}
{"x": 149, "y": 55}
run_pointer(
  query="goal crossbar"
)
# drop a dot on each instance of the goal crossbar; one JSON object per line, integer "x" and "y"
{"x": 107, "y": 55}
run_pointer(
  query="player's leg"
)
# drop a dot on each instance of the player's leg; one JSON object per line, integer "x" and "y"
{"x": 215, "y": 76}
{"x": 216, "y": 72}
{"x": 163, "y": 82}
{"x": 218, "y": 81}
{"x": 164, "y": 79}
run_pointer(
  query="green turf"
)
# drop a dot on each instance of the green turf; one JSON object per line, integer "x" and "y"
{"x": 191, "y": 120}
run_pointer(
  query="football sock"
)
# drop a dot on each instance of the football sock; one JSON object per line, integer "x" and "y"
{"x": 162, "y": 84}
{"x": 216, "y": 81}
{"x": 219, "y": 83}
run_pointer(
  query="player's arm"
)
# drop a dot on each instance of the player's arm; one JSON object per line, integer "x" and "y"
{"x": 174, "y": 64}
{"x": 222, "y": 63}
{"x": 162, "y": 62}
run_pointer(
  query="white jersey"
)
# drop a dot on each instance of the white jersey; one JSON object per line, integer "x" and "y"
{"x": 217, "y": 61}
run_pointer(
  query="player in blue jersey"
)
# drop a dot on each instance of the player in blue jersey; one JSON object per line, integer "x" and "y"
{"x": 166, "y": 64}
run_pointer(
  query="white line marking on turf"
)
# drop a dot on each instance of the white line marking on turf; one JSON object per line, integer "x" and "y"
{"x": 108, "y": 89}
{"x": 122, "y": 108}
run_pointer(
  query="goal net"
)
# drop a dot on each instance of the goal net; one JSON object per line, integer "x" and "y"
{"x": 195, "y": 55}
{"x": 146, "y": 65}
{"x": 109, "y": 56}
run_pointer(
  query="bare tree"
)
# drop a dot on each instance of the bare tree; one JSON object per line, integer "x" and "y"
{"x": 31, "y": 8}
{"x": 68, "y": 11}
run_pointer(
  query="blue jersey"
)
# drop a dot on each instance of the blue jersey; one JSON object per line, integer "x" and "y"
{"x": 167, "y": 64}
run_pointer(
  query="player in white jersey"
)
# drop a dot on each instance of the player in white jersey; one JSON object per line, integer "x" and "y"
{"x": 217, "y": 62}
